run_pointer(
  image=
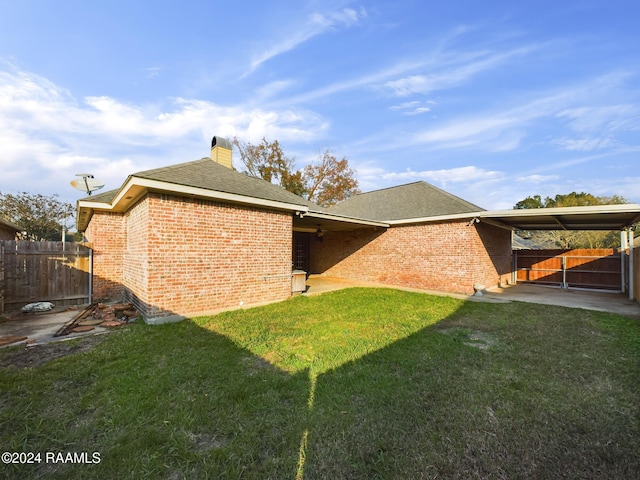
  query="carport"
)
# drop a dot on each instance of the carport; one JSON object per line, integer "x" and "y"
{"x": 599, "y": 217}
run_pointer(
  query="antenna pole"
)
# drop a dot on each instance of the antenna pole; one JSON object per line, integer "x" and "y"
{"x": 87, "y": 185}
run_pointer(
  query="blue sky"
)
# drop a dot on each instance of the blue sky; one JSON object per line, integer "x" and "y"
{"x": 493, "y": 101}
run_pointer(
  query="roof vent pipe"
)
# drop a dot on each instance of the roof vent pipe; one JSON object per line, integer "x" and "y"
{"x": 221, "y": 151}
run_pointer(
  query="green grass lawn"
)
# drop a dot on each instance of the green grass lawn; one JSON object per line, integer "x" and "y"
{"x": 358, "y": 383}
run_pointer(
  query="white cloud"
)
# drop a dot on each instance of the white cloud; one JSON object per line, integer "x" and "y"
{"x": 502, "y": 130}
{"x": 316, "y": 24}
{"x": 413, "y": 108}
{"x": 535, "y": 178}
{"x": 271, "y": 89}
{"x": 446, "y": 176}
{"x": 453, "y": 71}
{"x": 44, "y": 129}
{"x": 609, "y": 118}
{"x": 582, "y": 144}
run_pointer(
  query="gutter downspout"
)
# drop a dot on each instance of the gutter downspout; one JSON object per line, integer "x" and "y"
{"x": 90, "y": 276}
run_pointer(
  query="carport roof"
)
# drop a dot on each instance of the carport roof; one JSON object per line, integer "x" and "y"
{"x": 597, "y": 217}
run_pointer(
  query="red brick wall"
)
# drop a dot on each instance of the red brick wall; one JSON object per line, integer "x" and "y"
{"x": 204, "y": 256}
{"x": 448, "y": 257}
{"x": 177, "y": 256}
{"x": 135, "y": 276}
{"x": 106, "y": 233}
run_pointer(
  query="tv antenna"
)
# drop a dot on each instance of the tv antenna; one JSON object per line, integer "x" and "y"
{"x": 88, "y": 183}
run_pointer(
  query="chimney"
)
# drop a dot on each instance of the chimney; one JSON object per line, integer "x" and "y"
{"x": 221, "y": 151}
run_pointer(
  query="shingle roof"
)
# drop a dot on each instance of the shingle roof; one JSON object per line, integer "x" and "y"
{"x": 413, "y": 200}
{"x": 103, "y": 197}
{"x": 209, "y": 175}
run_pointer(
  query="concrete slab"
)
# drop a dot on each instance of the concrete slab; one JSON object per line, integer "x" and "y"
{"x": 590, "y": 300}
{"x": 40, "y": 328}
{"x": 600, "y": 301}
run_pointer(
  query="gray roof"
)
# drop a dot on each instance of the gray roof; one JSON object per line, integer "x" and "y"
{"x": 209, "y": 175}
{"x": 413, "y": 200}
{"x": 102, "y": 197}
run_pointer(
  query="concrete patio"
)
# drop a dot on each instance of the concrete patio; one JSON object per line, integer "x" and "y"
{"x": 601, "y": 301}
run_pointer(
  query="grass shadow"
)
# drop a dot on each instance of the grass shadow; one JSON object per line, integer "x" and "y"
{"x": 358, "y": 383}
{"x": 166, "y": 401}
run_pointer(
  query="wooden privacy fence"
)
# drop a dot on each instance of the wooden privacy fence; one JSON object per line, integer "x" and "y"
{"x": 44, "y": 272}
{"x": 599, "y": 269}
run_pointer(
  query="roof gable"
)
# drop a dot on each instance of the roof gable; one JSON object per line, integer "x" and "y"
{"x": 412, "y": 200}
{"x": 209, "y": 175}
{"x": 201, "y": 178}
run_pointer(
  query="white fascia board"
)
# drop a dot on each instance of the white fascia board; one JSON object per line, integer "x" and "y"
{"x": 436, "y": 218}
{"x": 585, "y": 210}
{"x": 94, "y": 205}
{"x": 343, "y": 218}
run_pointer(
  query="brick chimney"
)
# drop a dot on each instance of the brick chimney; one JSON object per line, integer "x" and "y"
{"x": 221, "y": 151}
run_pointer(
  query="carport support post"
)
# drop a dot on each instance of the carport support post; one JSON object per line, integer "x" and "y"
{"x": 623, "y": 258}
{"x": 631, "y": 271}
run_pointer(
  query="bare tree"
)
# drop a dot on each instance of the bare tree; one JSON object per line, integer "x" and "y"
{"x": 326, "y": 183}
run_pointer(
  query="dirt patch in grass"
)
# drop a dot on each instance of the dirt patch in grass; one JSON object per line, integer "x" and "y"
{"x": 37, "y": 355}
{"x": 203, "y": 442}
{"x": 471, "y": 338}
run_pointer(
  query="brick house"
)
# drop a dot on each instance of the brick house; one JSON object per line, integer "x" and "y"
{"x": 199, "y": 237}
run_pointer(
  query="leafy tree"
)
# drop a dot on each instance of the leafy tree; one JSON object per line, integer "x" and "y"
{"x": 572, "y": 199}
{"x": 571, "y": 239}
{"x": 530, "y": 202}
{"x": 268, "y": 161}
{"x": 326, "y": 183}
{"x": 40, "y": 216}
{"x": 330, "y": 181}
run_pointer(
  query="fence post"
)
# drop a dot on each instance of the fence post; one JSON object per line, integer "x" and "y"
{"x": 623, "y": 262}
{"x": 631, "y": 268}
{"x": 564, "y": 272}
{"x": 1, "y": 277}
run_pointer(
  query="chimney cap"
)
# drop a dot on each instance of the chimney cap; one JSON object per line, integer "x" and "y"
{"x": 221, "y": 142}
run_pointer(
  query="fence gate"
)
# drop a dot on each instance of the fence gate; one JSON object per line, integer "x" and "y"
{"x": 598, "y": 269}
{"x": 44, "y": 272}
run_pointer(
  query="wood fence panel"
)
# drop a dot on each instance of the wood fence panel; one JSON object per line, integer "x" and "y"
{"x": 598, "y": 268}
{"x": 44, "y": 271}
{"x": 1, "y": 278}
